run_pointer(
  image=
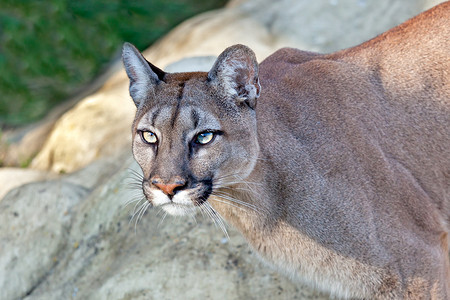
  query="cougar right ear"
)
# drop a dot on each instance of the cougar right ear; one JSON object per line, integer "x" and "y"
{"x": 235, "y": 73}
{"x": 143, "y": 75}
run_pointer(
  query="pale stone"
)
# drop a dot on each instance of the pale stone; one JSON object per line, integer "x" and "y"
{"x": 11, "y": 178}
{"x": 17, "y": 149}
{"x": 35, "y": 222}
{"x": 99, "y": 126}
{"x": 192, "y": 64}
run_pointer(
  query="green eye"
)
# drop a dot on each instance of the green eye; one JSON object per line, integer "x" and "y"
{"x": 149, "y": 137}
{"x": 204, "y": 138}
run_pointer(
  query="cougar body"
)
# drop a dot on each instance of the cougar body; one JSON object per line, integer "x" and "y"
{"x": 335, "y": 168}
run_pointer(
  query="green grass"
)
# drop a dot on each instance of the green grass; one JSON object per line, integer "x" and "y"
{"x": 50, "y": 49}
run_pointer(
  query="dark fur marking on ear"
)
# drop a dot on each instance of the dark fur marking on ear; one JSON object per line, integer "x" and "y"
{"x": 160, "y": 73}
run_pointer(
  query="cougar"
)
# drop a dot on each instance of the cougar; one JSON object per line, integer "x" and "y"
{"x": 334, "y": 167}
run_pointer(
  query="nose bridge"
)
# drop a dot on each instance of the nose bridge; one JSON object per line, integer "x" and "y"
{"x": 169, "y": 174}
{"x": 171, "y": 165}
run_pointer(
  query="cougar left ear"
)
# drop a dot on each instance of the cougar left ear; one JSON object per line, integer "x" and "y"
{"x": 143, "y": 75}
{"x": 235, "y": 73}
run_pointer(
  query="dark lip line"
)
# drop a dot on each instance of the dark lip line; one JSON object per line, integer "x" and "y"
{"x": 176, "y": 204}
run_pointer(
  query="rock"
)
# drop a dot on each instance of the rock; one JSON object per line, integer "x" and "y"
{"x": 18, "y": 148}
{"x": 36, "y": 220}
{"x": 99, "y": 125}
{"x": 15, "y": 177}
{"x": 63, "y": 239}
{"x": 192, "y": 64}
{"x": 35, "y": 225}
{"x": 328, "y": 25}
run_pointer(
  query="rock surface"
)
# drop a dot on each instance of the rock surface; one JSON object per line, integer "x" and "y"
{"x": 102, "y": 118}
{"x": 71, "y": 237}
{"x": 11, "y": 178}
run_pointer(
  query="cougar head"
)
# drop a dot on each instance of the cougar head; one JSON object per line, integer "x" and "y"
{"x": 193, "y": 132}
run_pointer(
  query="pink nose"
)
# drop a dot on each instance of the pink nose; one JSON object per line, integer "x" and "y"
{"x": 168, "y": 188}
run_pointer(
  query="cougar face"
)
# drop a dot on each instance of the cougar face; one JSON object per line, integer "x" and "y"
{"x": 189, "y": 142}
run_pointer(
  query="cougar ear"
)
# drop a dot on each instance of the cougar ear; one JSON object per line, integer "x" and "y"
{"x": 143, "y": 75}
{"x": 235, "y": 73}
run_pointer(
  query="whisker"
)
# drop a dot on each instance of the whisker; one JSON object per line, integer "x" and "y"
{"x": 139, "y": 217}
{"x": 217, "y": 218}
{"x": 192, "y": 215}
{"x": 222, "y": 182}
{"x": 234, "y": 200}
{"x": 132, "y": 178}
{"x": 136, "y": 211}
{"x": 134, "y": 172}
{"x": 134, "y": 198}
{"x": 221, "y": 221}
{"x": 205, "y": 211}
{"x": 208, "y": 212}
{"x": 131, "y": 186}
{"x": 228, "y": 197}
{"x": 159, "y": 211}
{"x": 235, "y": 175}
{"x": 262, "y": 159}
{"x": 136, "y": 205}
{"x": 231, "y": 188}
{"x": 137, "y": 199}
{"x": 246, "y": 181}
{"x": 162, "y": 219}
{"x": 227, "y": 202}
{"x": 200, "y": 207}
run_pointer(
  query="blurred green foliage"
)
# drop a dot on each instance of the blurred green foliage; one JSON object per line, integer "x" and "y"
{"x": 50, "y": 49}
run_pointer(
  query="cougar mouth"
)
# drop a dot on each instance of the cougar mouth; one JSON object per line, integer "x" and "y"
{"x": 183, "y": 202}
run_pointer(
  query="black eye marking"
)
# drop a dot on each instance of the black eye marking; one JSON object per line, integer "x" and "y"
{"x": 195, "y": 118}
{"x": 154, "y": 116}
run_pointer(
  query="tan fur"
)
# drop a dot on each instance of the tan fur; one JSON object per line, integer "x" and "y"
{"x": 338, "y": 175}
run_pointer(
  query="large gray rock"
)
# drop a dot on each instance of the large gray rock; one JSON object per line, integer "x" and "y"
{"x": 329, "y": 25}
{"x": 35, "y": 226}
{"x": 72, "y": 238}
{"x": 14, "y": 177}
{"x": 36, "y": 221}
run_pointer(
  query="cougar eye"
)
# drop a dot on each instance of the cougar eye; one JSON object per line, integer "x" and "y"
{"x": 204, "y": 138}
{"x": 149, "y": 137}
